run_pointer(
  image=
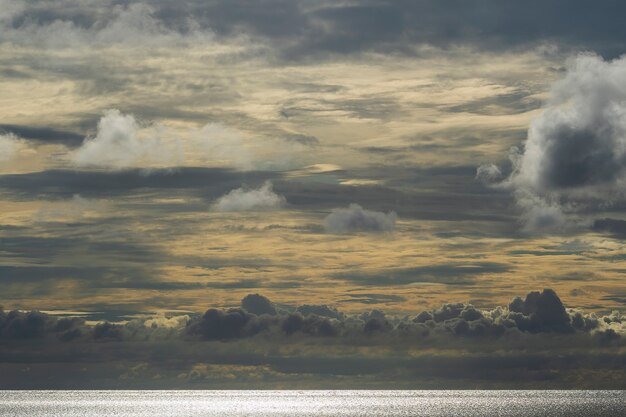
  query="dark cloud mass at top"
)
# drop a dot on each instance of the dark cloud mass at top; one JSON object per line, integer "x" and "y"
{"x": 301, "y": 28}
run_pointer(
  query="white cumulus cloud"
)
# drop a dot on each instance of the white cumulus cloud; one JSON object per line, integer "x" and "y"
{"x": 242, "y": 199}
{"x": 357, "y": 219}
{"x": 121, "y": 143}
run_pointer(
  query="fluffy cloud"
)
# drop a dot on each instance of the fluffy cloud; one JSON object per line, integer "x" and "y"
{"x": 242, "y": 199}
{"x": 121, "y": 143}
{"x": 575, "y": 152}
{"x": 577, "y": 146}
{"x": 356, "y": 219}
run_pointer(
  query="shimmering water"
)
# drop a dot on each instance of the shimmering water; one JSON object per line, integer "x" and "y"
{"x": 312, "y": 403}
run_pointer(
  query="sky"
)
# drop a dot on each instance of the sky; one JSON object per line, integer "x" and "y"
{"x": 312, "y": 194}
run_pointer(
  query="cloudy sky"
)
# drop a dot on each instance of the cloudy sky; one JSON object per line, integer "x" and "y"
{"x": 387, "y": 175}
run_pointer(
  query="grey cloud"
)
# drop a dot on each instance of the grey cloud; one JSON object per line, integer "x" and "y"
{"x": 449, "y": 274}
{"x": 258, "y": 304}
{"x": 319, "y": 310}
{"x": 371, "y": 298}
{"x": 574, "y": 154}
{"x": 615, "y": 227}
{"x": 298, "y": 30}
{"x": 231, "y": 324}
{"x": 541, "y": 312}
{"x": 488, "y": 173}
{"x": 43, "y": 135}
{"x": 66, "y": 183}
{"x": 356, "y": 219}
{"x": 502, "y": 346}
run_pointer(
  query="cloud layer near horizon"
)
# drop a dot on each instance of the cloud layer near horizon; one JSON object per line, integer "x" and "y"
{"x": 521, "y": 332}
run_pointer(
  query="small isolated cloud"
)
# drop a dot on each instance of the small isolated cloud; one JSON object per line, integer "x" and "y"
{"x": 242, "y": 199}
{"x": 575, "y": 153}
{"x": 9, "y": 145}
{"x": 121, "y": 143}
{"x": 357, "y": 219}
{"x": 488, "y": 173}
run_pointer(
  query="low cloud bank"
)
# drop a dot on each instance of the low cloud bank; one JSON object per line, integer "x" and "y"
{"x": 537, "y": 313}
{"x": 533, "y": 342}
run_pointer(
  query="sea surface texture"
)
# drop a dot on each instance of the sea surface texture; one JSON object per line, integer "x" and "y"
{"x": 312, "y": 403}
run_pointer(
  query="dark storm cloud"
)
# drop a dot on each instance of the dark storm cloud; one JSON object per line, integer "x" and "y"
{"x": 66, "y": 183}
{"x": 450, "y": 274}
{"x": 43, "y": 135}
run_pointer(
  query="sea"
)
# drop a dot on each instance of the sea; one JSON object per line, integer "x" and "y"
{"x": 312, "y": 403}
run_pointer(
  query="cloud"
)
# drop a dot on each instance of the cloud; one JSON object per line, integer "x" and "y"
{"x": 258, "y": 304}
{"x": 243, "y": 199}
{"x": 615, "y": 227}
{"x": 9, "y": 146}
{"x": 488, "y": 173}
{"x": 575, "y": 152}
{"x": 577, "y": 147}
{"x": 120, "y": 143}
{"x": 508, "y": 345}
{"x": 135, "y": 25}
{"x": 43, "y": 135}
{"x": 356, "y": 219}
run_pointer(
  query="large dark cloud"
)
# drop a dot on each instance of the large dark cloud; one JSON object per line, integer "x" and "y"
{"x": 300, "y": 29}
{"x": 574, "y": 158}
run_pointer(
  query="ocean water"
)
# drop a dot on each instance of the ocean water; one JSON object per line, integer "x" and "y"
{"x": 312, "y": 403}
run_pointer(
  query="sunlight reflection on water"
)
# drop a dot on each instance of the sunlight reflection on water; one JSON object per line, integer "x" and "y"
{"x": 312, "y": 403}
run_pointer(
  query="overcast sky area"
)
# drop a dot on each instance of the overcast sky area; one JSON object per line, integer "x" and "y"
{"x": 388, "y": 176}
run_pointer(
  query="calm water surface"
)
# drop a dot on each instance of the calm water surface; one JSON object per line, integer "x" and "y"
{"x": 312, "y": 403}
